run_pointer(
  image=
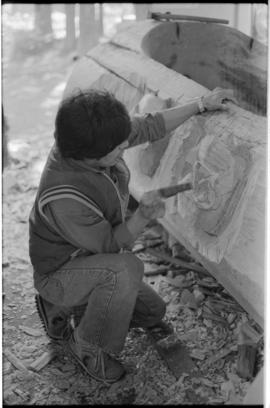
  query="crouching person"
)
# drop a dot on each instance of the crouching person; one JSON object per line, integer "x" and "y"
{"x": 79, "y": 237}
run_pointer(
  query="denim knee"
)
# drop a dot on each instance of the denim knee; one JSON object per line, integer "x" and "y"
{"x": 133, "y": 265}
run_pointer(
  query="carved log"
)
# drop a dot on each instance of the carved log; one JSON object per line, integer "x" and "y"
{"x": 246, "y": 360}
{"x": 222, "y": 222}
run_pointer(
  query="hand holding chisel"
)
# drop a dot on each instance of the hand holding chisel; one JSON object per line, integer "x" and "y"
{"x": 152, "y": 204}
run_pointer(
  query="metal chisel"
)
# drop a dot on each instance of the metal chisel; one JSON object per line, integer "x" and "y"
{"x": 170, "y": 191}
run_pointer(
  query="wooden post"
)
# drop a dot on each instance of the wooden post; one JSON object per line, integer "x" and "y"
{"x": 141, "y": 11}
{"x": 70, "y": 42}
{"x": 100, "y": 20}
{"x": 88, "y": 29}
{"x": 43, "y": 21}
{"x": 5, "y": 153}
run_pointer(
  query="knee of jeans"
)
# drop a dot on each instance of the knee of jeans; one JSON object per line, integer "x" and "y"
{"x": 134, "y": 266}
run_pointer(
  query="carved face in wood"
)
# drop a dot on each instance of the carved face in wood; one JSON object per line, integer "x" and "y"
{"x": 219, "y": 167}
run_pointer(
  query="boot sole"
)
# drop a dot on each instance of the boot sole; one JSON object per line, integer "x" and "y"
{"x": 89, "y": 372}
{"x": 43, "y": 319}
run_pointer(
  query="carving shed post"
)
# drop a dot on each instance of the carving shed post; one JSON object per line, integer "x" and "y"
{"x": 222, "y": 223}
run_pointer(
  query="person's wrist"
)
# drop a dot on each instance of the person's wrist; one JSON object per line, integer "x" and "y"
{"x": 142, "y": 213}
{"x": 136, "y": 224}
{"x": 201, "y": 105}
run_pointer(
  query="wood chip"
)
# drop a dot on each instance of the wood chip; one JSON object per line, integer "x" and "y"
{"x": 178, "y": 251}
{"x": 199, "y": 296}
{"x": 197, "y": 355}
{"x": 208, "y": 284}
{"x": 31, "y": 331}
{"x": 154, "y": 281}
{"x": 175, "y": 261}
{"x": 20, "y": 393}
{"x": 9, "y": 389}
{"x": 43, "y": 360}
{"x": 221, "y": 304}
{"x": 62, "y": 385}
{"x": 214, "y": 317}
{"x": 153, "y": 269}
{"x": 227, "y": 388}
{"x": 207, "y": 323}
{"x": 231, "y": 318}
{"x": 178, "y": 282}
{"x": 206, "y": 309}
{"x": 15, "y": 361}
{"x": 188, "y": 299}
{"x": 153, "y": 232}
{"x": 146, "y": 244}
{"x": 208, "y": 383}
{"x": 248, "y": 333}
{"x": 246, "y": 360}
{"x": 221, "y": 354}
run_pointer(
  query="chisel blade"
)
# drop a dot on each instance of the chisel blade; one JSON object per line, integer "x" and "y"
{"x": 170, "y": 191}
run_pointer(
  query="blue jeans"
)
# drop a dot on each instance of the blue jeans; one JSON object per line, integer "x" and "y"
{"x": 111, "y": 287}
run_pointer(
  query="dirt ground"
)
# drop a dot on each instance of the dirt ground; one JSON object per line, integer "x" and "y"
{"x": 32, "y": 88}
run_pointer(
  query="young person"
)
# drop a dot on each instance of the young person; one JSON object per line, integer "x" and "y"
{"x": 79, "y": 234}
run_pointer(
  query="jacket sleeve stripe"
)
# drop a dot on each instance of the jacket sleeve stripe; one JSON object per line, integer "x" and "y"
{"x": 68, "y": 194}
{"x": 68, "y": 191}
{"x": 65, "y": 188}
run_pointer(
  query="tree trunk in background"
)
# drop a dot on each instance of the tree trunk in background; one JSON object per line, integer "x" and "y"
{"x": 5, "y": 153}
{"x": 70, "y": 43}
{"x": 100, "y": 20}
{"x": 141, "y": 11}
{"x": 43, "y": 19}
{"x": 88, "y": 28}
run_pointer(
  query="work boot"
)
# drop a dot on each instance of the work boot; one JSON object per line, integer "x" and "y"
{"x": 57, "y": 326}
{"x": 160, "y": 330}
{"x": 94, "y": 360}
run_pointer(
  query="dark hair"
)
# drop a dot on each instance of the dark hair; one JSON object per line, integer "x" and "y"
{"x": 90, "y": 125}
